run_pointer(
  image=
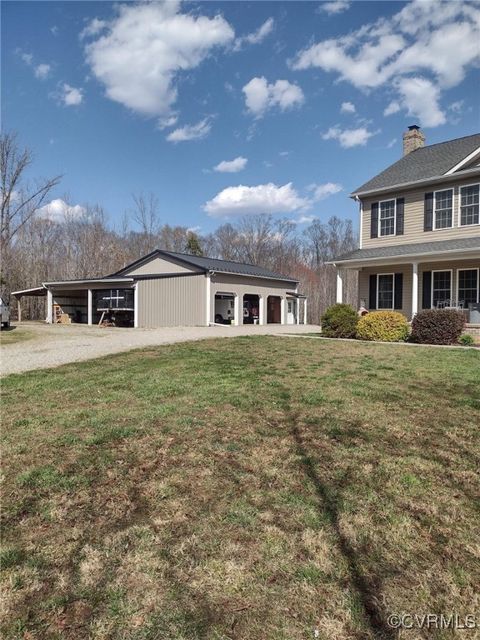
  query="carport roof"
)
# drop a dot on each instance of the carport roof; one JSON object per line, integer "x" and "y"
{"x": 210, "y": 264}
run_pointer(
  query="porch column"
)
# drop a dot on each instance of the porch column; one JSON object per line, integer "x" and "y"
{"x": 283, "y": 315}
{"x": 305, "y": 311}
{"x": 297, "y": 302}
{"x": 19, "y": 310}
{"x": 236, "y": 311}
{"x": 261, "y": 309}
{"x": 414, "y": 288}
{"x": 89, "y": 307}
{"x": 49, "y": 318}
{"x": 339, "y": 285}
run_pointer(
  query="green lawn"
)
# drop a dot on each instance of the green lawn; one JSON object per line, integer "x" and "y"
{"x": 254, "y": 488}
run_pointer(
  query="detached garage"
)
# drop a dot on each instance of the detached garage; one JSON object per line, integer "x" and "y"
{"x": 165, "y": 289}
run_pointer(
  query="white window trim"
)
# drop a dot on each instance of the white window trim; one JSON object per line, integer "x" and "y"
{"x": 464, "y": 186}
{"x": 451, "y": 284}
{"x": 394, "y": 200}
{"x": 393, "y": 292}
{"x": 434, "y": 226}
{"x": 478, "y": 280}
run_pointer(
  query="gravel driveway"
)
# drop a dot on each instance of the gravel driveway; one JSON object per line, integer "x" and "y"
{"x": 53, "y": 345}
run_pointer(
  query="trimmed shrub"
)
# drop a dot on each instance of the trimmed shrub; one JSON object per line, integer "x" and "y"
{"x": 437, "y": 326}
{"x": 466, "y": 339}
{"x": 339, "y": 321}
{"x": 384, "y": 326}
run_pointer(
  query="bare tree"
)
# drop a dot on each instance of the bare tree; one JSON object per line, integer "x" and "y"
{"x": 19, "y": 198}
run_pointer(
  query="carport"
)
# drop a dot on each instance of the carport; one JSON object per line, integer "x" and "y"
{"x": 18, "y": 295}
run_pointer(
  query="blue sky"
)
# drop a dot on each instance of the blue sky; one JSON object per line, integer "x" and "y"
{"x": 227, "y": 109}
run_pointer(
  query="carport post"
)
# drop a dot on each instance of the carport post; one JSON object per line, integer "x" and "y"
{"x": 282, "y": 311}
{"x": 261, "y": 309}
{"x": 19, "y": 309}
{"x": 49, "y": 318}
{"x": 236, "y": 310}
{"x": 89, "y": 307}
{"x": 305, "y": 311}
{"x": 298, "y": 310}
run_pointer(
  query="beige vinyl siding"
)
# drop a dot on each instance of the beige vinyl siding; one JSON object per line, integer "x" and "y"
{"x": 414, "y": 214}
{"x": 159, "y": 265}
{"x": 172, "y": 302}
{"x": 407, "y": 270}
{"x": 364, "y": 285}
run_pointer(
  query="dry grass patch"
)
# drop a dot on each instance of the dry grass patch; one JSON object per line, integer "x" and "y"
{"x": 251, "y": 488}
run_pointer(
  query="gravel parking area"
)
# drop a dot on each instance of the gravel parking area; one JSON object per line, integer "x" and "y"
{"x": 53, "y": 345}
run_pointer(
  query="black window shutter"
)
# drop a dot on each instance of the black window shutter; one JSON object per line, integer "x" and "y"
{"x": 372, "y": 292}
{"x": 428, "y": 212}
{"x": 374, "y": 220}
{"x": 398, "y": 302}
{"x": 400, "y": 215}
{"x": 427, "y": 290}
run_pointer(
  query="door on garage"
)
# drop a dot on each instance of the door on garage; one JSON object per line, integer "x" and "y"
{"x": 274, "y": 313}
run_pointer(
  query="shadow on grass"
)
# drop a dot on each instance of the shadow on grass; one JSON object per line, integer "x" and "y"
{"x": 366, "y": 589}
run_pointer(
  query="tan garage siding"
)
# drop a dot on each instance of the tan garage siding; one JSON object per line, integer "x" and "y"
{"x": 364, "y": 285}
{"x": 414, "y": 212}
{"x": 158, "y": 265}
{"x": 172, "y": 302}
{"x": 241, "y": 285}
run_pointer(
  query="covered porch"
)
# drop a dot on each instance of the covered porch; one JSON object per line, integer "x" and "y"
{"x": 436, "y": 281}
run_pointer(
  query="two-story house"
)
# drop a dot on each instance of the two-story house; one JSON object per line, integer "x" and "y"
{"x": 420, "y": 230}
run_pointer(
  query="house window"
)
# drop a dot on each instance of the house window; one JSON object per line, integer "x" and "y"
{"x": 443, "y": 209}
{"x": 469, "y": 205}
{"x": 385, "y": 291}
{"x": 386, "y": 220}
{"x": 468, "y": 286}
{"x": 289, "y": 307}
{"x": 441, "y": 287}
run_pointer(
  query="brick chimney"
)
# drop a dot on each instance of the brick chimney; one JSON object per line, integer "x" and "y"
{"x": 413, "y": 139}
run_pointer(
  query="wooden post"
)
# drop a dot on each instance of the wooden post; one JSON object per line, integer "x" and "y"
{"x": 19, "y": 310}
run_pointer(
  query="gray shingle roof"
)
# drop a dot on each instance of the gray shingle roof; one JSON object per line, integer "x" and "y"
{"x": 424, "y": 163}
{"x": 395, "y": 251}
{"x": 209, "y": 264}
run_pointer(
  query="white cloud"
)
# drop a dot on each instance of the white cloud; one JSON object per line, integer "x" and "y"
{"x": 322, "y": 191}
{"x": 54, "y": 30}
{"x": 347, "y": 107}
{"x": 303, "y": 220}
{"x": 191, "y": 131}
{"x": 93, "y": 28}
{"x": 263, "y": 198}
{"x": 420, "y": 98}
{"x": 71, "y": 96}
{"x": 42, "y": 71}
{"x": 391, "y": 143}
{"x": 391, "y": 108}
{"x": 231, "y": 166}
{"x": 256, "y": 36}
{"x": 335, "y": 6}
{"x": 457, "y": 106}
{"x": 434, "y": 39}
{"x": 261, "y": 96}
{"x": 146, "y": 45}
{"x": 168, "y": 121}
{"x": 349, "y": 137}
{"x": 59, "y": 211}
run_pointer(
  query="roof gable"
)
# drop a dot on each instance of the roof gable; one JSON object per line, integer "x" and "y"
{"x": 432, "y": 161}
{"x": 161, "y": 261}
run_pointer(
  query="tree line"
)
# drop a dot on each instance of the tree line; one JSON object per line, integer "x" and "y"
{"x": 36, "y": 248}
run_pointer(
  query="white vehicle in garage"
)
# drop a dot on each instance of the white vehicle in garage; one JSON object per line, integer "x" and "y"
{"x": 5, "y": 314}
